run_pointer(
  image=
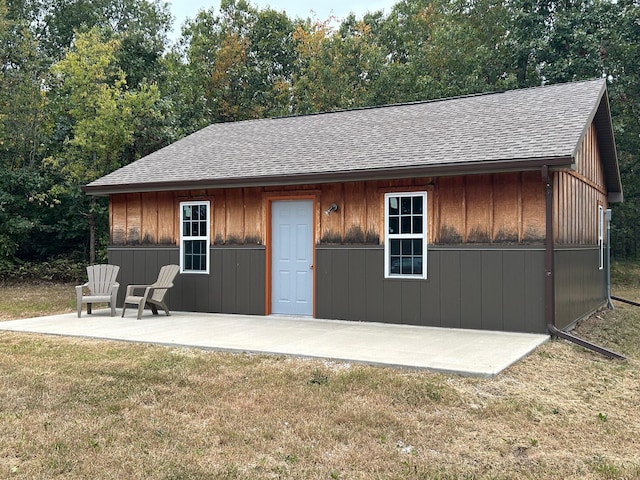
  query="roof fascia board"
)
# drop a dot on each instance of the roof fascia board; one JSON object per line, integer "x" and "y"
{"x": 468, "y": 168}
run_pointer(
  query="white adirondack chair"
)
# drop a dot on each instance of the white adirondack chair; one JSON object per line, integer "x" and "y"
{"x": 153, "y": 294}
{"x": 101, "y": 287}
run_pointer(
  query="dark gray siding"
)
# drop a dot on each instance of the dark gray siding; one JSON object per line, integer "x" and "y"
{"x": 236, "y": 283}
{"x": 580, "y": 285}
{"x": 491, "y": 288}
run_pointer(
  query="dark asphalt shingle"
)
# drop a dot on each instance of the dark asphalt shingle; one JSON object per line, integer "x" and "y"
{"x": 541, "y": 122}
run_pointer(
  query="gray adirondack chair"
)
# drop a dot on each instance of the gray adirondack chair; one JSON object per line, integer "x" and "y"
{"x": 101, "y": 288}
{"x": 153, "y": 295}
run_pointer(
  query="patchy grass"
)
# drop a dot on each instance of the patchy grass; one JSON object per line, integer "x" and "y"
{"x": 24, "y": 300}
{"x": 76, "y": 409}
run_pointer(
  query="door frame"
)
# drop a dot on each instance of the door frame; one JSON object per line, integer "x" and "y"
{"x": 269, "y": 200}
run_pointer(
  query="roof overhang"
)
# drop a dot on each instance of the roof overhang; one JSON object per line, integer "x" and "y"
{"x": 434, "y": 170}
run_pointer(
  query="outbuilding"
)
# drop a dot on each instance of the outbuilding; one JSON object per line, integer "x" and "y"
{"x": 480, "y": 212}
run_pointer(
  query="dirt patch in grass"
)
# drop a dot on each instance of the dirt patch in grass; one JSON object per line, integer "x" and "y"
{"x": 77, "y": 409}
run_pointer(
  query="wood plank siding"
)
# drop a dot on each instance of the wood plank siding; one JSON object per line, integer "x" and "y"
{"x": 577, "y": 195}
{"x": 492, "y": 208}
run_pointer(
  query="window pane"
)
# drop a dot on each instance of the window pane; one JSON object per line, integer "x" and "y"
{"x": 405, "y": 205}
{"x": 394, "y": 225}
{"x": 406, "y": 225}
{"x": 196, "y": 213}
{"x": 186, "y": 212}
{"x": 395, "y": 265}
{"x": 407, "y": 247}
{"x": 395, "y": 247}
{"x": 393, "y": 206}
{"x": 203, "y": 212}
{"x": 407, "y": 267}
{"x": 417, "y": 224}
{"x": 417, "y": 247}
{"x": 417, "y": 266}
{"x": 203, "y": 229}
{"x": 417, "y": 205}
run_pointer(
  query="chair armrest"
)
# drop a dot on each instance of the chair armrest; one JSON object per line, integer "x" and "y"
{"x": 131, "y": 288}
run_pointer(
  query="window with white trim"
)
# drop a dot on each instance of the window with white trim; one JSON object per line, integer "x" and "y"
{"x": 194, "y": 237}
{"x": 405, "y": 243}
{"x": 601, "y": 236}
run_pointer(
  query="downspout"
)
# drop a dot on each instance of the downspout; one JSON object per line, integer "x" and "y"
{"x": 550, "y": 309}
{"x": 607, "y": 216}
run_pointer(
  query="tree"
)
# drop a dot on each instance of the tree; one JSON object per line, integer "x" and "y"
{"x": 100, "y": 113}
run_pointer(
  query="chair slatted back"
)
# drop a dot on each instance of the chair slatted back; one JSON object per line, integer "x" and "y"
{"x": 102, "y": 278}
{"x": 165, "y": 281}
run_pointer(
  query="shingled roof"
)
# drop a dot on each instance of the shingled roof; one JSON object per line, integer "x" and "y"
{"x": 507, "y": 131}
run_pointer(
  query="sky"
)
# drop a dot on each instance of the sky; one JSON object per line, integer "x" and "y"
{"x": 322, "y": 9}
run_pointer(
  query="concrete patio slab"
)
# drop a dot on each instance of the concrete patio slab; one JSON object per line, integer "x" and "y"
{"x": 464, "y": 352}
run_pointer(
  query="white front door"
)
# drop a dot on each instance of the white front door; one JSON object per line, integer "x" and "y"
{"x": 292, "y": 257}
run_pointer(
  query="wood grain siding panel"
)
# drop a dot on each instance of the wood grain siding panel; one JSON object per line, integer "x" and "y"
{"x": 532, "y": 207}
{"x": 332, "y": 226}
{"x": 219, "y": 206}
{"x": 355, "y": 212}
{"x": 252, "y": 211}
{"x": 168, "y": 216}
{"x": 479, "y": 209}
{"x": 134, "y": 218}
{"x": 118, "y": 224}
{"x": 451, "y": 203}
{"x": 149, "y": 230}
{"x": 578, "y": 194}
{"x": 235, "y": 216}
{"x": 507, "y": 208}
{"x": 374, "y": 201}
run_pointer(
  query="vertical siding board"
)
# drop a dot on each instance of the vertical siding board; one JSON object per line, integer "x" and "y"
{"x": 478, "y": 209}
{"x": 505, "y": 208}
{"x": 252, "y": 210}
{"x": 374, "y": 285}
{"x": 324, "y": 276}
{"x": 514, "y": 292}
{"x": 492, "y": 296}
{"x": 217, "y": 280}
{"x": 471, "y": 288}
{"x": 357, "y": 285}
{"x": 392, "y": 298}
{"x": 431, "y": 294}
{"x": 134, "y": 218}
{"x": 332, "y": 226}
{"x": 340, "y": 284}
{"x": 229, "y": 280}
{"x": 354, "y": 212}
{"x": 168, "y": 215}
{"x": 243, "y": 281}
{"x": 219, "y": 227}
{"x": 257, "y": 258}
{"x": 235, "y": 216}
{"x": 452, "y": 212}
{"x": 149, "y": 233}
{"x": 533, "y": 207}
{"x": 375, "y": 211}
{"x": 410, "y": 297}
{"x": 450, "y": 289}
{"x": 119, "y": 219}
{"x": 534, "y": 292}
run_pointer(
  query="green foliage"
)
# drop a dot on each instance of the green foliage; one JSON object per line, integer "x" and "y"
{"x": 89, "y": 85}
